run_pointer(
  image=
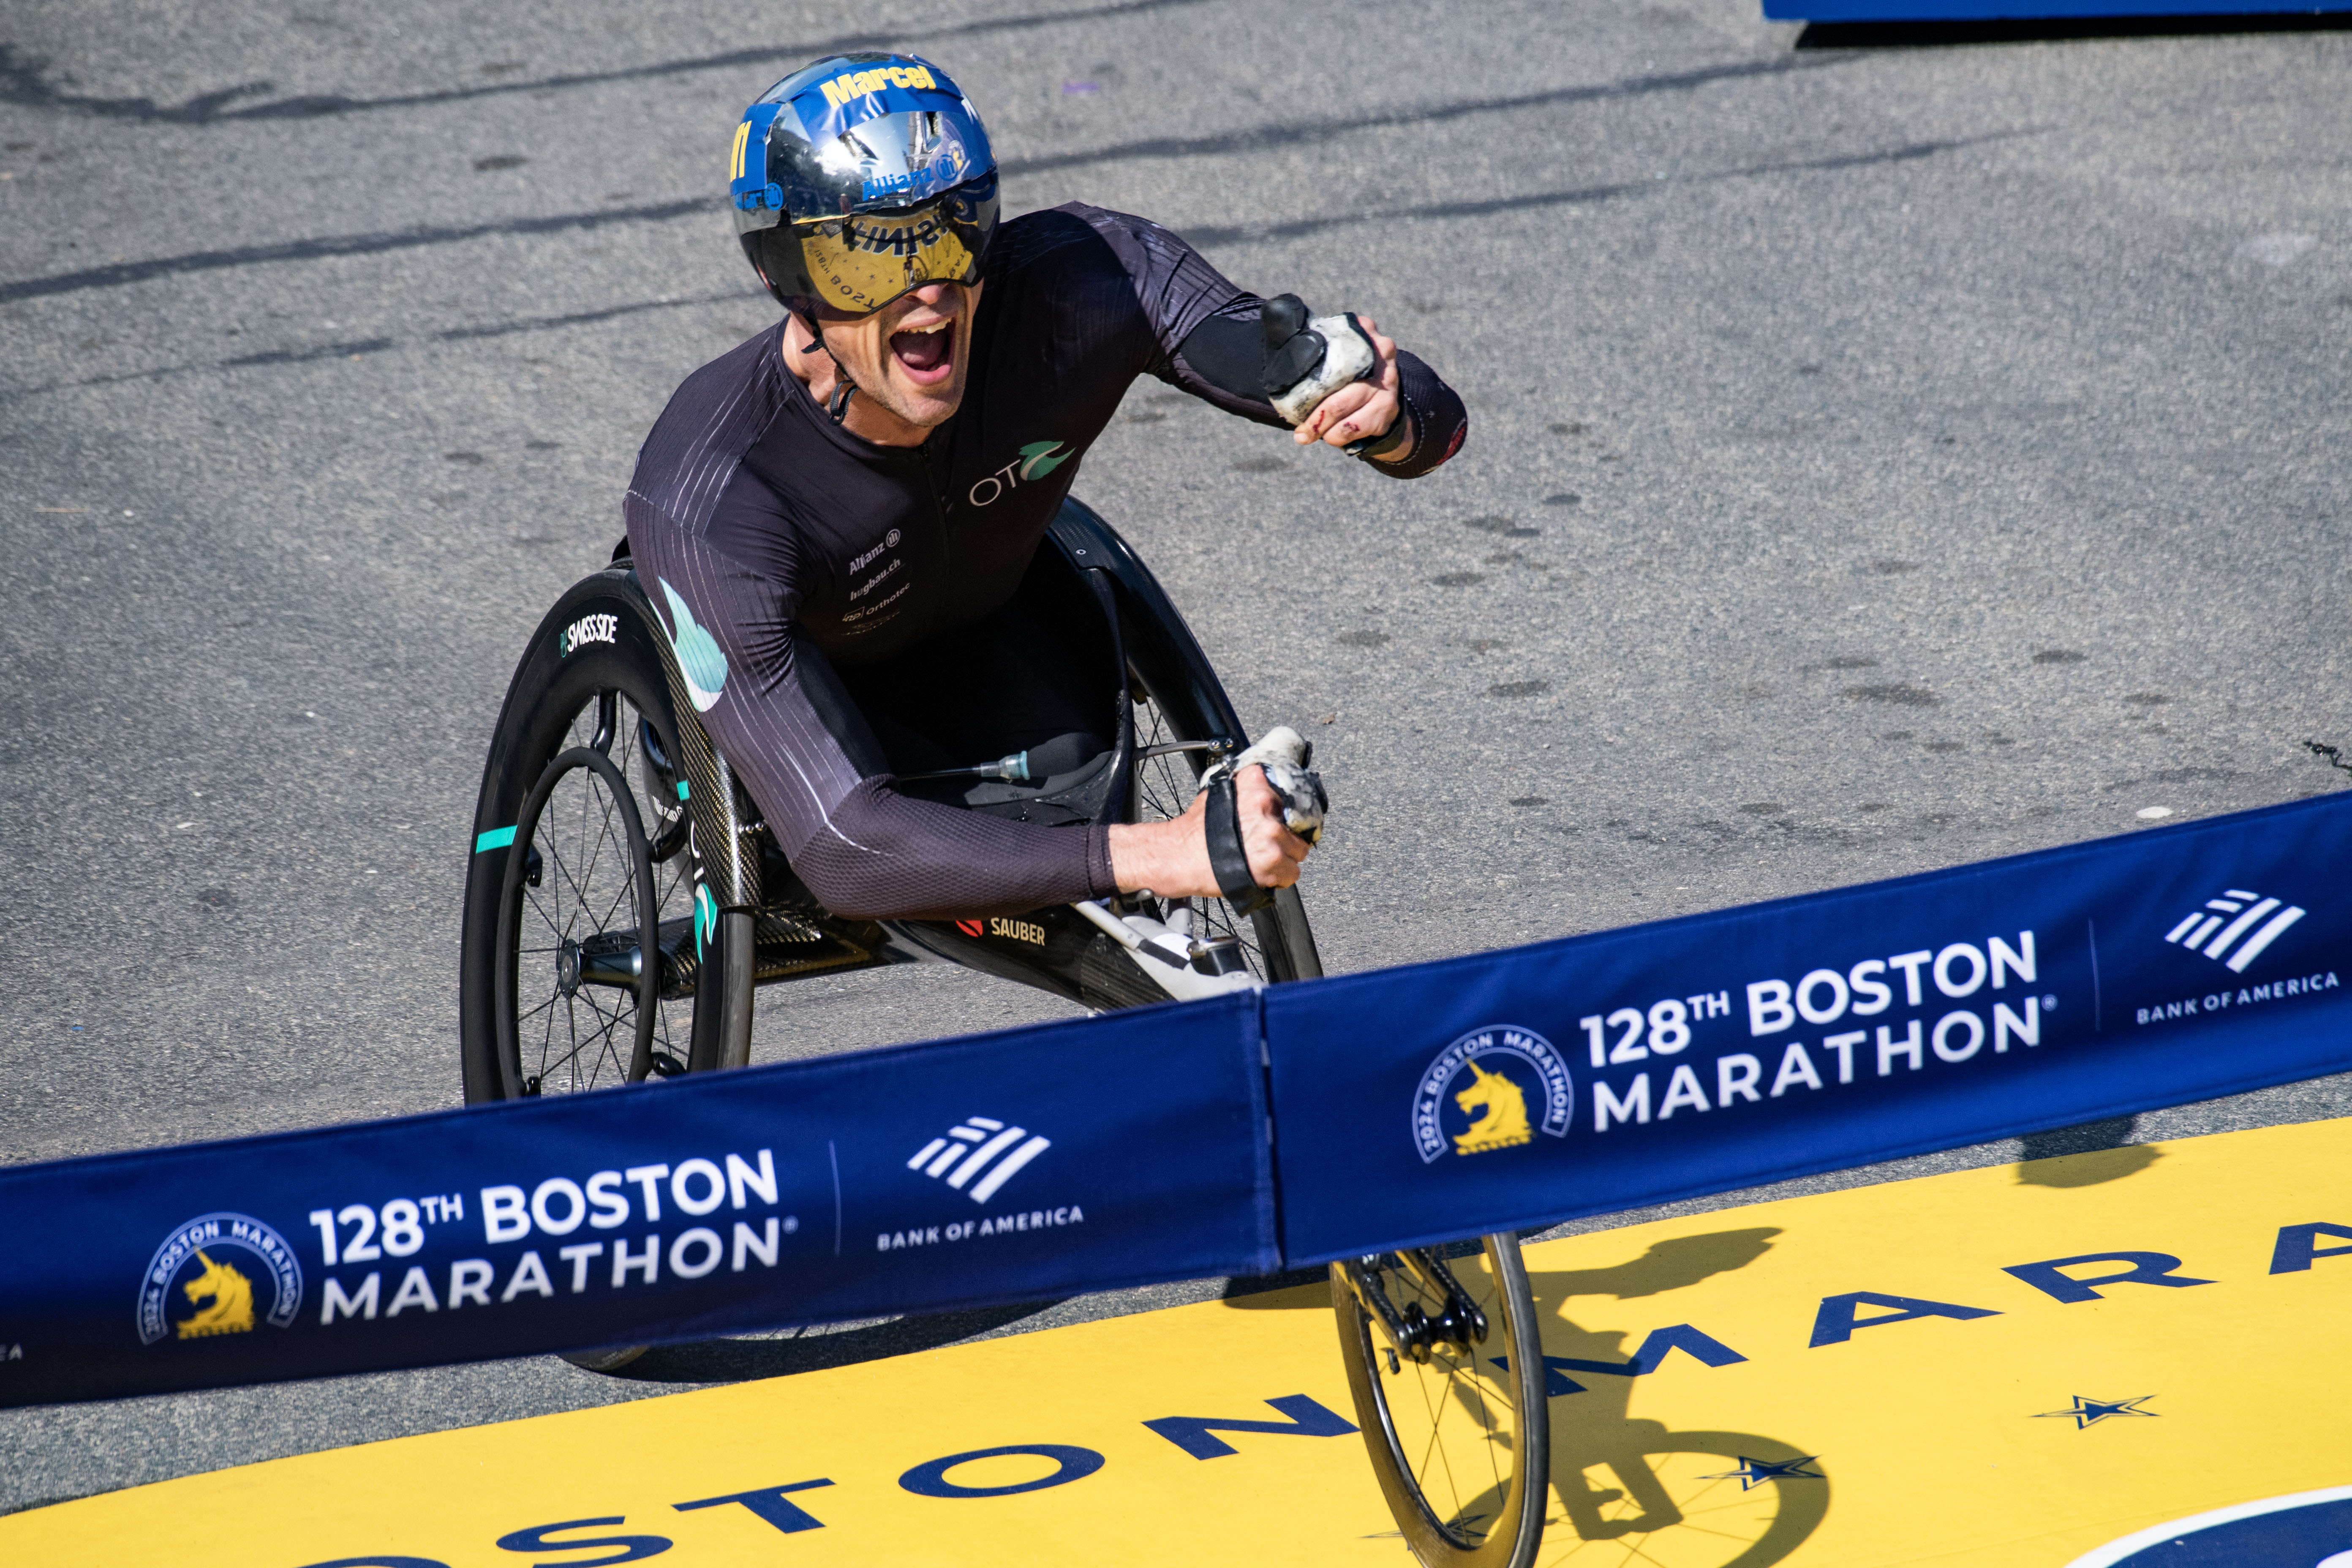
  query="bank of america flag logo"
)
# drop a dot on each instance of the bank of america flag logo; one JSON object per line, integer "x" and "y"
{"x": 2216, "y": 929}
{"x": 977, "y": 1148}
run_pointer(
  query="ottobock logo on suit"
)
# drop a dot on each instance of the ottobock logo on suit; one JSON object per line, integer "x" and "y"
{"x": 977, "y": 1157}
{"x": 206, "y": 1279}
{"x": 2235, "y": 929}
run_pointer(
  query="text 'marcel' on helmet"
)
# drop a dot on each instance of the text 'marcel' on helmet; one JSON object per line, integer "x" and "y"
{"x": 860, "y": 177}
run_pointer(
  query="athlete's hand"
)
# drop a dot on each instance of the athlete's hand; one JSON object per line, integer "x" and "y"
{"x": 1171, "y": 858}
{"x": 1362, "y": 408}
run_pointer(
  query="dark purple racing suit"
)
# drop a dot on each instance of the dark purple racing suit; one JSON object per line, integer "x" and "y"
{"x": 783, "y": 552}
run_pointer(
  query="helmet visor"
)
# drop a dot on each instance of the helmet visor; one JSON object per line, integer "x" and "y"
{"x": 859, "y": 262}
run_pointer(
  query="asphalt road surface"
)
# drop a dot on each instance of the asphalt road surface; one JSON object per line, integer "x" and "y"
{"x": 1882, "y": 458}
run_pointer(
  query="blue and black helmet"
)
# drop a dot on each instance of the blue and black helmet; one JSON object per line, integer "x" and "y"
{"x": 860, "y": 177}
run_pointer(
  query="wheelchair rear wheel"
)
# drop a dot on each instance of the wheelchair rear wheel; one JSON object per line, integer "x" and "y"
{"x": 1445, "y": 1358}
{"x": 582, "y": 952}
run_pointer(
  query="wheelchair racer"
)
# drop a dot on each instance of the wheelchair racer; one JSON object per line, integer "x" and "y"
{"x": 836, "y": 516}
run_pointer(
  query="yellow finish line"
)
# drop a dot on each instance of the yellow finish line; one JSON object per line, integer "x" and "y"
{"x": 1905, "y": 1374}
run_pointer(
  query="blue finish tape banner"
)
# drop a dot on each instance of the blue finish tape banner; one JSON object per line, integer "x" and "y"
{"x": 1696, "y": 1055}
{"x": 1002, "y": 1167}
{"x": 1500, "y": 1091}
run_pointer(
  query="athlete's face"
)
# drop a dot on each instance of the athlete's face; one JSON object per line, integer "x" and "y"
{"x": 911, "y": 355}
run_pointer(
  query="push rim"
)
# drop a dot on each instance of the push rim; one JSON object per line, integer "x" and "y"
{"x": 1167, "y": 774}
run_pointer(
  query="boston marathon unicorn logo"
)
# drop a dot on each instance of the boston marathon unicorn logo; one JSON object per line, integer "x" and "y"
{"x": 1475, "y": 1098}
{"x": 218, "y": 1274}
{"x": 1500, "y": 1111}
{"x": 223, "y": 1299}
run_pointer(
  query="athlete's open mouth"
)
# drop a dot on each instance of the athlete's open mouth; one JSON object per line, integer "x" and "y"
{"x": 926, "y": 353}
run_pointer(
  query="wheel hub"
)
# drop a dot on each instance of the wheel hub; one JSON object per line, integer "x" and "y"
{"x": 1409, "y": 1328}
{"x": 567, "y": 967}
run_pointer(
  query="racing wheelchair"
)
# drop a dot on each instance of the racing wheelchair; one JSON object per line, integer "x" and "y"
{"x": 625, "y": 904}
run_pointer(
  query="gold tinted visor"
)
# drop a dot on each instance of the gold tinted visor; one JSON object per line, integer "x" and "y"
{"x": 860, "y": 263}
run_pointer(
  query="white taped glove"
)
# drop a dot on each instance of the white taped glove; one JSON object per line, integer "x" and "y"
{"x": 1307, "y": 360}
{"x": 1283, "y": 753}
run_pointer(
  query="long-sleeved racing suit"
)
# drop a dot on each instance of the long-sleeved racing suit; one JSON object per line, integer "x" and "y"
{"x": 781, "y": 547}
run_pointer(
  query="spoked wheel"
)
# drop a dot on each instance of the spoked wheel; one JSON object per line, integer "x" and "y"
{"x": 1445, "y": 1360}
{"x": 581, "y": 960}
{"x": 1639, "y": 1493}
{"x": 596, "y": 981}
{"x": 580, "y": 991}
{"x": 1169, "y": 763}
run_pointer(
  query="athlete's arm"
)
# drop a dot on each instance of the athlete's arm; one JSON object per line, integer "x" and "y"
{"x": 1210, "y": 343}
{"x": 1398, "y": 402}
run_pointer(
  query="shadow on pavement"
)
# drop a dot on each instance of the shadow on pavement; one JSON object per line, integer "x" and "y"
{"x": 2085, "y": 1155}
{"x": 1731, "y": 1500}
{"x": 1669, "y": 1264}
{"x": 1258, "y": 1290}
{"x": 740, "y": 1361}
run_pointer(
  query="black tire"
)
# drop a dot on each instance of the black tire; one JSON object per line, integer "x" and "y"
{"x": 608, "y": 697}
{"x": 1460, "y": 1439}
{"x": 1276, "y": 940}
{"x": 602, "y": 708}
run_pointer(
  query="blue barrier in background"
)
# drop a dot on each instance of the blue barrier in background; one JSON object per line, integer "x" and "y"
{"x": 1503, "y": 1090}
{"x": 2029, "y": 10}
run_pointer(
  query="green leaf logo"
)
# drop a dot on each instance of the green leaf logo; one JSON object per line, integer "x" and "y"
{"x": 706, "y": 921}
{"x": 699, "y": 657}
{"x": 1040, "y": 459}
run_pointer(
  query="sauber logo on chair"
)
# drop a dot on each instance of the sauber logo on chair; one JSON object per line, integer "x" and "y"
{"x": 972, "y": 1147}
{"x": 2213, "y": 929}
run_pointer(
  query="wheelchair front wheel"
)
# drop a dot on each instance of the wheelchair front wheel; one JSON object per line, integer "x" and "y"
{"x": 1445, "y": 1358}
{"x": 607, "y": 701}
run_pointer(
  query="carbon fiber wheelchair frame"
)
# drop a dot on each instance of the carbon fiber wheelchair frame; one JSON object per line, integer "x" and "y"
{"x": 625, "y": 900}
{"x": 744, "y": 916}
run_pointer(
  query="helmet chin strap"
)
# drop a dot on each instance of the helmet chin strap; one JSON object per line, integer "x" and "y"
{"x": 836, "y": 407}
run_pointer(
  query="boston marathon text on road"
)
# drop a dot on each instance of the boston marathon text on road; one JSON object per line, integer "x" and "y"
{"x": 1825, "y": 1325}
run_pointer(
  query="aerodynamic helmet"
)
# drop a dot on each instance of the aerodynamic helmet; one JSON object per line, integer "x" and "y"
{"x": 860, "y": 177}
